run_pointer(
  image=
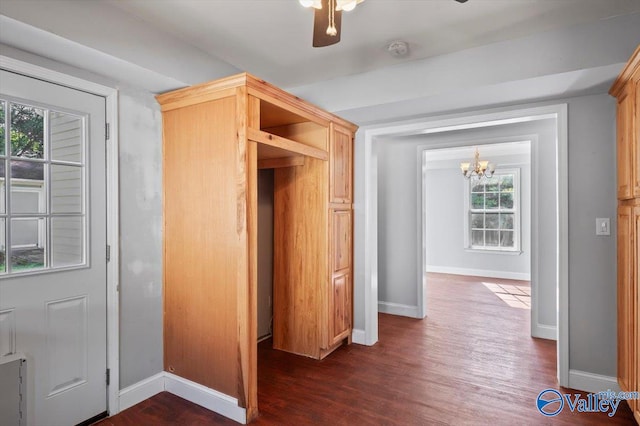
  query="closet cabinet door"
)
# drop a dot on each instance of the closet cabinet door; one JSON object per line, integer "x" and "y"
{"x": 340, "y": 323}
{"x": 626, "y": 300}
{"x": 340, "y": 291}
{"x": 340, "y": 160}
{"x": 635, "y": 136}
{"x": 626, "y": 151}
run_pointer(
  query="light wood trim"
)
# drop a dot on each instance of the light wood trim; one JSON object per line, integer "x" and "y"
{"x": 273, "y": 94}
{"x": 197, "y": 99}
{"x": 286, "y": 144}
{"x": 196, "y": 93}
{"x": 626, "y": 73}
{"x": 257, "y": 87}
{"x": 306, "y": 133}
{"x": 276, "y": 163}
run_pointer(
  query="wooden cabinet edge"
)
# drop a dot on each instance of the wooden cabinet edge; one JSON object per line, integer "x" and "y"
{"x": 625, "y": 75}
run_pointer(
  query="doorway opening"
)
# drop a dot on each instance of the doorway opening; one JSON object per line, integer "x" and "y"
{"x": 551, "y": 254}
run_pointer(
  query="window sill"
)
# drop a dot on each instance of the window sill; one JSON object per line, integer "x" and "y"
{"x": 489, "y": 251}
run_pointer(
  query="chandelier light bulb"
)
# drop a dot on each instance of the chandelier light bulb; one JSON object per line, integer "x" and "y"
{"x": 347, "y": 5}
{"x": 306, "y": 3}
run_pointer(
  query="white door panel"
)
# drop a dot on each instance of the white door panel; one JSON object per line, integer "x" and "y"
{"x": 53, "y": 310}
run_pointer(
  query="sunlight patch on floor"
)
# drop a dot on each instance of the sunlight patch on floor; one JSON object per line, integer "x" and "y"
{"x": 516, "y": 296}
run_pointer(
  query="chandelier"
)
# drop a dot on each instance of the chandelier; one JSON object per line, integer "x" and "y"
{"x": 477, "y": 169}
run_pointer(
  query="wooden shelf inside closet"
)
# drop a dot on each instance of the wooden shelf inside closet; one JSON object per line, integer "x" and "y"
{"x": 216, "y": 136}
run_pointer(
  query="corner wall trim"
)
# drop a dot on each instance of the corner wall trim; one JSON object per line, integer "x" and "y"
{"x": 522, "y": 276}
{"x": 358, "y": 336}
{"x": 543, "y": 331}
{"x": 591, "y": 382}
{"x": 399, "y": 309}
{"x": 191, "y": 391}
{"x": 144, "y": 389}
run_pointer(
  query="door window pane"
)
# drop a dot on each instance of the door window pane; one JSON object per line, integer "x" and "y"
{"x": 27, "y": 131}
{"x": 2, "y": 187}
{"x": 27, "y": 244}
{"x": 27, "y": 187}
{"x": 3, "y": 251}
{"x": 67, "y": 241}
{"x": 66, "y": 189}
{"x": 66, "y": 137}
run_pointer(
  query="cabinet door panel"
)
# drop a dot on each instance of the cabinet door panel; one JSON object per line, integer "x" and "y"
{"x": 341, "y": 158}
{"x": 341, "y": 307}
{"x": 341, "y": 227}
{"x": 626, "y": 299}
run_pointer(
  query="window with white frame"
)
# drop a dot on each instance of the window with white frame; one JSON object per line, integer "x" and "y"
{"x": 493, "y": 212}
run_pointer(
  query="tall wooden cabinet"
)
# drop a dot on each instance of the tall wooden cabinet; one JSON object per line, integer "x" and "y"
{"x": 215, "y": 137}
{"x": 627, "y": 91}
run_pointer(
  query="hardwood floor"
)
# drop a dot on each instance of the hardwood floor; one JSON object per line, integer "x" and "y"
{"x": 470, "y": 362}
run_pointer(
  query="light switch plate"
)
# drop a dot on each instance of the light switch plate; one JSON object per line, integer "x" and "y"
{"x": 603, "y": 226}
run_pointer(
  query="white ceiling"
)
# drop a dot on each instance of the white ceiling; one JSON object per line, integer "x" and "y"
{"x": 272, "y": 38}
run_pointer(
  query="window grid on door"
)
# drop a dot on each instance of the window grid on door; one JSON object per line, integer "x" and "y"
{"x": 43, "y": 174}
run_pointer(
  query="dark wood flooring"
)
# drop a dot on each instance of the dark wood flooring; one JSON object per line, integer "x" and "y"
{"x": 470, "y": 362}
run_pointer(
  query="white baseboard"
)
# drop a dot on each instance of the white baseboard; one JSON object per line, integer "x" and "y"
{"x": 142, "y": 390}
{"x": 479, "y": 273}
{"x": 191, "y": 391}
{"x": 590, "y": 382}
{"x": 543, "y": 331}
{"x": 398, "y": 309}
{"x": 358, "y": 336}
{"x": 205, "y": 397}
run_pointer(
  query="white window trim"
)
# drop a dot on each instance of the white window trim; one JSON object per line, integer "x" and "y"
{"x": 517, "y": 218}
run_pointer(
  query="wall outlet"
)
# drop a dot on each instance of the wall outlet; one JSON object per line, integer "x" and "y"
{"x": 603, "y": 226}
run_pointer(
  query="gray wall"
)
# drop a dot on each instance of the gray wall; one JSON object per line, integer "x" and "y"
{"x": 592, "y": 259}
{"x": 265, "y": 251}
{"x": 141, "y": 352}
{"x": 445, "y": 191}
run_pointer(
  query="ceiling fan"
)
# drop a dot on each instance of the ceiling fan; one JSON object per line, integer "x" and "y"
{"x": 328, "y": 19}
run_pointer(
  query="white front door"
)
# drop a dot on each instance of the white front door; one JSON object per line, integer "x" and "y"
{"x": 53, "y": 246}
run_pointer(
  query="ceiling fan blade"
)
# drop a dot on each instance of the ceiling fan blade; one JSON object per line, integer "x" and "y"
{"x": 320, "y": 24}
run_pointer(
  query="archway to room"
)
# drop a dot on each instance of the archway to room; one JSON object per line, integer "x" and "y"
{"x": 548, "y": 256}
{"x": 476, "y": 233}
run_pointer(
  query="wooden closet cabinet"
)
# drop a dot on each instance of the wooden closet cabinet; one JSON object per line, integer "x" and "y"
{"x": 316, "y": 328}
{"x": 215, "y": 137}
{"x": 627, "y": 91}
